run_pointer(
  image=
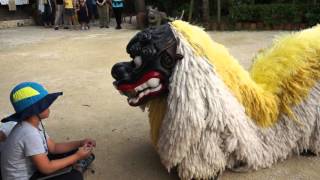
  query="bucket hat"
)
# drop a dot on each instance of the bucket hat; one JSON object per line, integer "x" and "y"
{"x": 28, "y": 99}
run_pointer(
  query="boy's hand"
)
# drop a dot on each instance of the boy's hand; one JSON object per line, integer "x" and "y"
{"x": 88, "y": 142}
{"x": 83, "y": 152}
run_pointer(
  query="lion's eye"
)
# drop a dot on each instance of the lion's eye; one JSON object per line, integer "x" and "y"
{"x": 137, "y": 61}
{"x": 167, "y": 61}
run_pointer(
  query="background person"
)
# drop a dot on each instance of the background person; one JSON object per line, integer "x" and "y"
{"x": 117, "y": 6}
{"x": 47, "y": 15}
{"x": 69, "y": 13}
{"x": 103, "y": 10}
{"x": 83, "y": 15}
{"x": 92, "y": 9}
{"x": 59, "y": 13}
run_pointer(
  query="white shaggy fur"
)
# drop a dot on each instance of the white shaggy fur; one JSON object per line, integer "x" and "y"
{"x": 206, "y": 129}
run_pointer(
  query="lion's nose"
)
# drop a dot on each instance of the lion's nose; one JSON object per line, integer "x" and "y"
{"x": 121, "y": 71}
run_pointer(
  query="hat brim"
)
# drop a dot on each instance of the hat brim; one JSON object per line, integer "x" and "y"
{"x": 34, "y": 109}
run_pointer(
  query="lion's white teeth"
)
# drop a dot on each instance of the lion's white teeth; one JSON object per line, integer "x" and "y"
{"x": 139, "y": 88}
{"x": 134, "y": 100}
{"x": 144, "y": 85}
{"x": 144, "y": 93}
{"x": 153, "y": 82}
{"x": 157, "y": 88}
{"x": 152, "y": 85}
{"x": 141, "y": 94}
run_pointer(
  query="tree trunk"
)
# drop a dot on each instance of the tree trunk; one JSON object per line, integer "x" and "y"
{"x": 140, "y": 5}
{"x": 140, "y": 8}
{"x": 206, "y": 12}
{"x": 219, "y": 11}
{"x": 190, "y": 10}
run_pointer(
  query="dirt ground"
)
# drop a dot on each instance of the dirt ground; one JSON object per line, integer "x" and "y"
{"x": 79, "y": 64}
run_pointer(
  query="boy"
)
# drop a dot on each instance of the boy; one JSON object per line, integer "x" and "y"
{"x": 24, "y": 155}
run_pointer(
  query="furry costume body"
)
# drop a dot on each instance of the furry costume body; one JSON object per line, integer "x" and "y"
{"x": 216, "y": 115}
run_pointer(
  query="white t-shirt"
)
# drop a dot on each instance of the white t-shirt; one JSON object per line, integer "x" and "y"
{"x": 23, "y": 142}
{"x": 6, "y": 129}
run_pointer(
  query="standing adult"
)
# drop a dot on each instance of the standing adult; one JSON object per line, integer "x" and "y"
{"x": 117, "y": 6}
{"x": 47, "y": 14}
{"x": 95, "y": 14}
{"x": 89, "y": 6}
{"x": 92, "y": 8}
{"x": 103, "y": 10}
{"x": 59, "y": 12}
{"x": 69, "y": 12}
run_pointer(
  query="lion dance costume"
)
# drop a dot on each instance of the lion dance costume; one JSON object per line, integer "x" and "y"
{"x": 207, "y": 113}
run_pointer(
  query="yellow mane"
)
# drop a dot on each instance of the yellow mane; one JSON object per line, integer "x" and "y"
{"x": 281, "y": 77}
{"x": 290, "y": 68}
{"x": 260, "y": 105}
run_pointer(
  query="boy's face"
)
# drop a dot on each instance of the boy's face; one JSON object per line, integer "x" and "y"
{"x": 45, "y": 114}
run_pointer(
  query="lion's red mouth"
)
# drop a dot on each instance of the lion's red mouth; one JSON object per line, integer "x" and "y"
{"x": 149, "y": 85}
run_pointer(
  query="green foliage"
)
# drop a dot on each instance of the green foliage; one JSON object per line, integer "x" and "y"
{"x": 184, "y": 7}
{"x": 313, "y": 16}
{"x": 245, "y": 13}
{"x": 174, "y": 8}
{"x": 273, "y": 14}
{"x": 241, "y": 2}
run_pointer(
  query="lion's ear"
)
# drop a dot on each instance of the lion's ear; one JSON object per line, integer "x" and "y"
{"x": 179, "y": 56}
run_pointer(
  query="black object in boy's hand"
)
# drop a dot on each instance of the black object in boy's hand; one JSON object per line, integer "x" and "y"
{"x": 82, "y": 165}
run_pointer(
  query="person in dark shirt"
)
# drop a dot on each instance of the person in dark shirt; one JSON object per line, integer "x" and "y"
{"x": 92, "y": 9}
{"x": 83, "y": 15}
{"x": 117, "y": 6}
{"x": 47, "y": 15}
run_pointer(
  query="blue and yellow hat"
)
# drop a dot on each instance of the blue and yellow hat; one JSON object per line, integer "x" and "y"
{"x": 28, "y": 99}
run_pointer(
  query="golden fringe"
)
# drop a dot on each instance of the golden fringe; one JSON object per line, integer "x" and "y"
{"x": 157, "y": 111}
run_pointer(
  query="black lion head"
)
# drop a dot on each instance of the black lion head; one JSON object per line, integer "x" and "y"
{"x": 153, "y": 53}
